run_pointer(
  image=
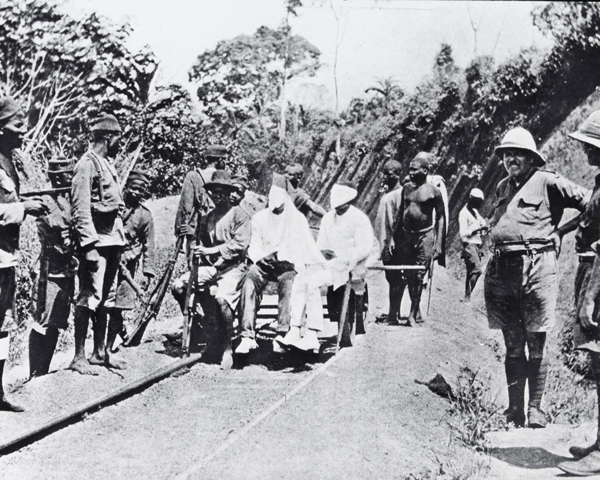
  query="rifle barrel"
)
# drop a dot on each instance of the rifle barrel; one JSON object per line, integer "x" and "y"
{"x": 49, "y": 191}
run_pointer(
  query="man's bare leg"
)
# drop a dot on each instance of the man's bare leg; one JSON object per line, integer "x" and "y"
{"x": 100, "y": 319}
{"x": 79, "y": 363}
{"x": 415, "y": 290}
{"x": 227, "y": 322}
{"x": 115, "y": 326}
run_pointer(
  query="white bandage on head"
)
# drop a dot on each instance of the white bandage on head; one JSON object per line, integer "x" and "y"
{"x": 476, "y": 193}
{"x": 341, "y": 194}
{"x": 4, "y": 345}
{"x": 277, "y": 197}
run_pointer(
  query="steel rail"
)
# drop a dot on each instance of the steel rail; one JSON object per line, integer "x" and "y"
{"x": 69, "y": 418}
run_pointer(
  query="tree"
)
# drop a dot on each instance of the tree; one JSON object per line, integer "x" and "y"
{"x": 242, "y": 79}
{"x": 62, "y": 70}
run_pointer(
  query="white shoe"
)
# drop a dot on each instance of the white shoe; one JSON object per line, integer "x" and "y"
{"x": 309, "y": 342}
{"x": 246, "y": 345}
{"x": 277, "y": 342}
{"x": 292, "y": 337}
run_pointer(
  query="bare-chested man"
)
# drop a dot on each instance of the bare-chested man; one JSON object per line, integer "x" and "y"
{"x": 418, "y": 239}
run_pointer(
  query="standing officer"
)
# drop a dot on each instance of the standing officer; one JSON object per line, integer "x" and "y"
{"x": 97, "y": 206}
{"x": 521, "y": 281}
{"x": 586, "y": 334}
{"x": 57, "y": 271}
{"x": 472, "y": 227}
{"x": 12, "y": 213}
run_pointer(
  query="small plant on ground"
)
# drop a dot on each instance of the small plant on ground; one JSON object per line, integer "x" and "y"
{"x": 474, "y": 408}
{"x": 569, "y": 397}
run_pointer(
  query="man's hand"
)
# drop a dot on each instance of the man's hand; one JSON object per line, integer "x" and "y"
{"x": 146, "y": 281}
{"x": 92, "y": 260}
{"x": 328, "y": 254}
{"x": 556, "y": 239}
{"x": 437, "y": 251}
{"x": 35, "y": 207}
{"x": 586, "y": 315}
{"x": 202, "y": 250}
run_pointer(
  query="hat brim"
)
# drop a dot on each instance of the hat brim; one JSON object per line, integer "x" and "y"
{"x": 541, "y": 160}
{"x": 62, "y": 170}
{"x": 582, "y": 137}
{"x": 211, "y": 185}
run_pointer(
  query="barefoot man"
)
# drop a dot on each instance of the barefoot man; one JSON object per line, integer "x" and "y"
{"x": 97, "y": 205}
{"x": 386, "y": 224}
{"x": 418, "y": 239}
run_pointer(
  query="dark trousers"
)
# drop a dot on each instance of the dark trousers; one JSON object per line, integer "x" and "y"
{"x": 253, "y": 286}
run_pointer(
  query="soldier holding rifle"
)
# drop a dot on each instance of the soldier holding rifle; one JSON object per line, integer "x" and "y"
{"x": 97, "y": 208}
{"x": 521, "y": 280}
{"x": 139, "y": 233}
{"x": 12, "y": 213}
{"x": 57, "y": 270}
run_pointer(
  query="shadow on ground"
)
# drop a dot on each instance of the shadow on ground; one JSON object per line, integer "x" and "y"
{"x": 533, "y": 458}
{"x": 292, "y": 361}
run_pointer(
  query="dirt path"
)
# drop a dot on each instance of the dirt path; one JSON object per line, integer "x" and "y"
{"x": 364, "y": 417}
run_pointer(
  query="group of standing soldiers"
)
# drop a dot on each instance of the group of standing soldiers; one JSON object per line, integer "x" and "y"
{"x": 90, "y": 227}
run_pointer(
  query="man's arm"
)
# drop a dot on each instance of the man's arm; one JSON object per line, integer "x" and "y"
{"x": 317, "y": 210}
{"x": 148, "y": 245}
{"x": 585, "y": 314}
{"x": 440, "y": 224}
{"x": 81, "y": 204}
{"x": 184, "y": 221}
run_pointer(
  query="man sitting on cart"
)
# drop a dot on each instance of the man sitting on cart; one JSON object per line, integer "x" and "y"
{"x": 346, "y": 240}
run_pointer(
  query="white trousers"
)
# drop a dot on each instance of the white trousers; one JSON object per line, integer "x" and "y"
{"x": 306, "y": 297}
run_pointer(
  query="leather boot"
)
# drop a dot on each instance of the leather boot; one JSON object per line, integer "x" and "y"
{"x": 516, "y": 378}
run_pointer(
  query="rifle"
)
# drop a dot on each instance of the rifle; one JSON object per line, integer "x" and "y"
{"x": 48, "y": 191}
{"x": 42, "y": 291}
{"x": 187, "y": 317}
{"x": 136, "y": 156}
{"x": 152, "y": 308}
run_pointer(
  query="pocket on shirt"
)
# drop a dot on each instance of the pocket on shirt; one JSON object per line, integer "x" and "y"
{"x": 530, "y": 208}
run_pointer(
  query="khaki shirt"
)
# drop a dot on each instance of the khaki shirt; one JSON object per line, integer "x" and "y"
{"x": 54, "y": 230}
{"x": 588, "y": 231}
{"x": 12, "y": 213}
{"x": 96, "y": 202}
{"x": 534, "y": 209}
{"x": 139, "y": 232}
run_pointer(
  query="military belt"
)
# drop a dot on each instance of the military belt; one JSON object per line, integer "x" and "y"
{"x": 510, "y": 249}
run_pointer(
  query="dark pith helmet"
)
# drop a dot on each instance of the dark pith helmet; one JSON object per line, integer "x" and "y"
{"x": 8, "y": 108}
{"x": 216, "y": 151}
{"x": 105, "y": 123}
{"x": 138, "y": 175}
{"x": 60, "y": 165}
{"x": 220, "y": 178}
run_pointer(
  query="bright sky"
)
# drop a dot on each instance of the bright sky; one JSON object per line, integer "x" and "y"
{"x": 377, "y": 38}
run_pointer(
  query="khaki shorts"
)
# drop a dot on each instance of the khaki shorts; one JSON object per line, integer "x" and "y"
{"x": 227, "y": 282}
{"x": 95, "y": 287}
{"x": 58, "y": 304}
{"x": 520, "y": 291}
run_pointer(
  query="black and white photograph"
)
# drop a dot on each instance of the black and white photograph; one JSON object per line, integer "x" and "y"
{"x": 299, "y": 239}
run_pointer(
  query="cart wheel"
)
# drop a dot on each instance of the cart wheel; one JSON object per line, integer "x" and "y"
{"x": 362, "y": 310}
{"x": 349, "y": 333}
